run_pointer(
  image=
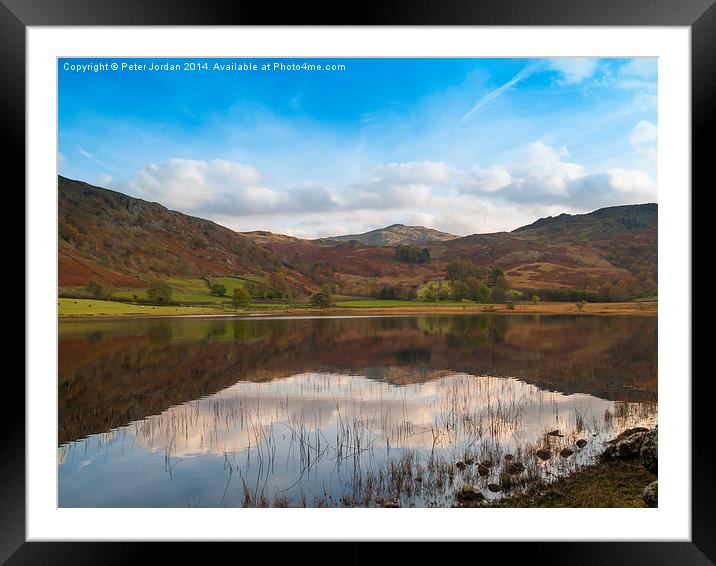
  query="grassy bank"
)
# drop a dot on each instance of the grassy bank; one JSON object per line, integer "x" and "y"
{"x": 606, "y": 484}
{"x": 93, "y": 308}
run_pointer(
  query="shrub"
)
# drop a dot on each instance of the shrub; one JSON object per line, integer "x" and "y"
{"x": 241, "y": 298}
{"x": 218, "y": 289}
{"x": 159, "y": 292}
{"x": 97, "y": 290}
{"x": 321, "y": 300}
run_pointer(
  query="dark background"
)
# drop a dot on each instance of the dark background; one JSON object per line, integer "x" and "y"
{"x": 15, "y": 15}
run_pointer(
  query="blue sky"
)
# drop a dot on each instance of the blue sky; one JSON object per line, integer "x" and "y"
{"x": 461, "y": 145}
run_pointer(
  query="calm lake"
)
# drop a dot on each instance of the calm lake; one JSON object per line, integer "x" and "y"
{"x": 339, "y": 411}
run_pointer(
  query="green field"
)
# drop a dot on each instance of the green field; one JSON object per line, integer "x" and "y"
{"x": 177, "y": 297}
{"x": 191, "y": 290}
{"x": 230, "y": 283}
{"x": 92, "y": 307}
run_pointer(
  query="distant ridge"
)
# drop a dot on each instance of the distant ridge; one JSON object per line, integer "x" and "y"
{"x": 125, "y": 242}
{"x": 393, "y": 235}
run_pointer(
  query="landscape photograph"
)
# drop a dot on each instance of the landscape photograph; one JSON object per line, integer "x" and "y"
{"x": 357, "y": 283}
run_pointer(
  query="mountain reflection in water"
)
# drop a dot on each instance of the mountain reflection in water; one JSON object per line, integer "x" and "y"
{"x": 231, "y": 412}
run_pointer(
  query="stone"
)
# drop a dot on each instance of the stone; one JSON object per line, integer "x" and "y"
{"x": 543, "y": 454}
{"x": 483, "y": 470}
{"x": 555, "y": 433}
{"x": 486, "y": 463}
{"x": 651, "y": 494}
{"x": 581, "y": 443}
{"x": 566, "y": 452}
{"x": 514, "y": 468}
{"x": 390, "y": 505}
{"x": 509, "y": 457}
{"x": 460, "y": 466}
{"x": 626, "y": 446}
{"x": 493, "y": 487}
{"x": 469, "y": 461}
{"x": 628, "y": 432}
{"x": 649, "y": 451}
{"x": 469, "y": 493}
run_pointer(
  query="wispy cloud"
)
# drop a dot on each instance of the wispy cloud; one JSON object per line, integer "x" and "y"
{"x": 499, "y": 91}
{"x": 84, "y": 153}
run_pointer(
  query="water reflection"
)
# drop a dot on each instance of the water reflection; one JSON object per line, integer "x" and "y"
{"x": 328, "y": 411}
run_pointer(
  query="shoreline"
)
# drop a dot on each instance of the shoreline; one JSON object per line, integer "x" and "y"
{"x": 622, "y": 476}
{"x": 634, "y": 308}
{"x": 614, "y": 484}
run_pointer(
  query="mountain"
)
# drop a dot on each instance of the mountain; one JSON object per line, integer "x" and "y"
{"x": 123, "y": 241}
{"x": 611, "y": 246}
{"x": 612, "y": 251}
{"x": 126, "y": 242}
{"x": 395, "y": 235}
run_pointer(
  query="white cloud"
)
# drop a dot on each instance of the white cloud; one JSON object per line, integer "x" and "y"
{"x": 382, "y": 194}
{"x": 105, "y": 180}
{"x": 574, "y": 69}
{"x": 538, "y": 170}
{"x": 541, "y": 175}
{"x": 399, "y": 185}
{"x": 570, "y": 70}
{"x": 215, "y": 186}
{"x": 640, "y": 75}
{"x": 416, "y": 171}
{"x": 643, "y": 132}
{"x": 539, "y": 180}
{"x": 640, "y": 67}
{"x": 488, "y": 180}
{"x": 633, "y": 182}
{"x": 227, "y": 188}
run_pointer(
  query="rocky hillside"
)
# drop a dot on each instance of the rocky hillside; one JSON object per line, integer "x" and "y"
{"x": 125, "y": 242}
{"x": 615, "y": 246}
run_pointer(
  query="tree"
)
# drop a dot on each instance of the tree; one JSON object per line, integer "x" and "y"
{"x": 159, "y": 292}
{"x": 241, "y": 298}
{"x": 498, "y": 294}
{"x": 278, "y": 287}
{"x": 412, "y": 254}
{"x": 321, "y": 300}
{"x": 251, "y": 288}
{"x": 218, "y": 289}
{"x": 97, "y": 290}
{"x": 460, "y": 290}
{"x": 480, "y": 293}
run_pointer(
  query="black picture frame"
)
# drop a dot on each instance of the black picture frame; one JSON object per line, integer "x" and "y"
{"x": 699, "y": 15}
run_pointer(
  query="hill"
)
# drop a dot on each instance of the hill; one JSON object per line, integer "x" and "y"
{"x": 126, "y": 242}
{"x": 612, "y": 251}
{"x": 615, "y": 246}
{"x": 395, "y": 235}
{"x": 123, "y": 241}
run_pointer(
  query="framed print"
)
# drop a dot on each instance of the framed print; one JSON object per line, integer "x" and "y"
{"x": 282, "y": 277}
